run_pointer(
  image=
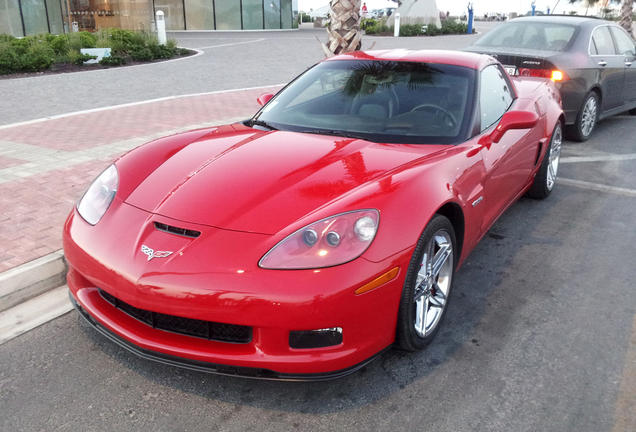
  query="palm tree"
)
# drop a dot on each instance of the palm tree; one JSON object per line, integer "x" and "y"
{"x": 344, "y": 28}
{"x": 626, "y": 16}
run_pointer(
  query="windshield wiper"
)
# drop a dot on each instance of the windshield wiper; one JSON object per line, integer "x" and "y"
{"x": 333, "y": 132}
{"x": 260, "y": 123}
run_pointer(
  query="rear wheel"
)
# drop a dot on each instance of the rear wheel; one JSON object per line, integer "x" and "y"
{"x": 428, "y": 285}
{"x": 546, "y": 176}
{"x": 632, "y": 111}
{"x": 586, "y": 119}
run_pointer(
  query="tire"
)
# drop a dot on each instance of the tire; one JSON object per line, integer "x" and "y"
{"x": 546, "y": 176}
{"x": 586, "y": 119}
{"x": 419, "y": 318}
{"x": 632, "y": 111}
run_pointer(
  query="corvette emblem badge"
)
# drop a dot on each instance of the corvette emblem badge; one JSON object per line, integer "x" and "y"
{"x": 152, "y": 254}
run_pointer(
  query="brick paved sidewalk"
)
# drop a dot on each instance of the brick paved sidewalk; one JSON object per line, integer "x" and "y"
{"x": 45, "y": 166}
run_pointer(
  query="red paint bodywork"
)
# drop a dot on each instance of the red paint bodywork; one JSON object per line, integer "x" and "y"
{"x": 245, "y": 190}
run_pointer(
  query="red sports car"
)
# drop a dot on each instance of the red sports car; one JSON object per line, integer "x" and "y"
{"x": 303, "y": 242}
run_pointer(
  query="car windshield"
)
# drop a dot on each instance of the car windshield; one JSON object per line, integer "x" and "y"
{"x": 530, "y": 35}
{"x": 379, "y": 101}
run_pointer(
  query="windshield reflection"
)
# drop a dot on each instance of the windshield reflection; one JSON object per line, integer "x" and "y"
{"x": 380, "y": 101}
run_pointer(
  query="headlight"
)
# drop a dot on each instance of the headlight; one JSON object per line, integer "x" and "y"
{"x": 99, "y": 196}
{"x": 335, "y": 240}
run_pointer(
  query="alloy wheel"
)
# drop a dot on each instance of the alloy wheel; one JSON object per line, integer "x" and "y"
{"x": 433, "y": 283}
{"x": 554, "y": 157}
{"x": 588, "y": 119}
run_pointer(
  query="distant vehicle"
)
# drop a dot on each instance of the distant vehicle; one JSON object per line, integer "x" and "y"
{"x": 376, "y": 13}
{"x": 536, "y": 13}
{"x": 389, "y": 11}
{"x": 593, "y": 60}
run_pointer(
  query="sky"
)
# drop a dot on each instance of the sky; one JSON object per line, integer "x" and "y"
{"x": 456, "y": 7}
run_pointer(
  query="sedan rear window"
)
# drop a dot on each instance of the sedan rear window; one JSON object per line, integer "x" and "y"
{"x": 536, "y": 36}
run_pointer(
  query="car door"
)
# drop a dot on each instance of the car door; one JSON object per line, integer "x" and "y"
{"x": 610, "y": 67}
{"x": 509, "y": 162}
{"x": 627, "y": 50}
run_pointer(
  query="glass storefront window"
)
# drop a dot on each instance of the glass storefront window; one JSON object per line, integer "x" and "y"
{"x": 55, "y": 16}
{"x": 172, "y": 13}
{"x": 10, "y": 22}
{"x": 199, "y": 14}
{"x": 34, "y": 14}
{"x": 286, "y": 14}
{"x": 252, "y": 14}
{"x": 228, "y": 14}
{"x": 272, "y": 14}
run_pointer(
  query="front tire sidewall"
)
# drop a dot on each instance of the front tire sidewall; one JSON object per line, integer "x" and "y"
{"x": 406, "y": 335}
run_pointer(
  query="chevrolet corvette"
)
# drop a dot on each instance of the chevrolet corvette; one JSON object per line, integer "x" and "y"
{"x": 303, "y": 242}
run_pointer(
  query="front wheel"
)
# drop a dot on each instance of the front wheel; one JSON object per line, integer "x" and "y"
{"x": 546, "y": 176}
{"x": 428, "y": 285}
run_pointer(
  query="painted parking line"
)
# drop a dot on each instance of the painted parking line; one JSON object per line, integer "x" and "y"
{"x": 597, "y": 187}
{"x": 149, "y": 101}
{"x": 231, "y": 44}
{"x": 598, "y": 158}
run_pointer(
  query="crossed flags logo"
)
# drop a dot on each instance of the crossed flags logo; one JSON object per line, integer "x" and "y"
{"x": 152, "y": 254}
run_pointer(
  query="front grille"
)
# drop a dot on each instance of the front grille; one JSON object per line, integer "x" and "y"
{"x": 185, "y": 326}
{"x": 178, "y": 231}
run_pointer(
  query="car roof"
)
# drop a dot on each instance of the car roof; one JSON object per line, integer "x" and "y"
{"x": 455, "y": 58}
{"x": 581, "y": 21}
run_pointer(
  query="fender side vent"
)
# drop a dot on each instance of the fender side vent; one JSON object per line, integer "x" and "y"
{"x": 536, "y": 161}
{"x": 177, "y": 231}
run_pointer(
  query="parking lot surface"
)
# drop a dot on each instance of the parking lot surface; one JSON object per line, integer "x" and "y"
{"x": 539, "y": 336}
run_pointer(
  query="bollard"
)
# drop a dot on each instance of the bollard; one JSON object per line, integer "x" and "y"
{"x": 534, "y": 5}
{"x": 396, "y": 30}
{"x": 470, "y": 18}
{"x": 74, "y": 27}
{"x": 161, "y": 28}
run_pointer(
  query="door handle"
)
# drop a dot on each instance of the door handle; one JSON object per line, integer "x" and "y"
{"x": 602, "y": 63}
{"x": 628, "y": 63}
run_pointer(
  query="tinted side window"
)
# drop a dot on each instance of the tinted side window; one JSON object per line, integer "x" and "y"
{"x": 602, "y": 41}
{"x": 495, "y": 96}
{"x": 624, "y": 42}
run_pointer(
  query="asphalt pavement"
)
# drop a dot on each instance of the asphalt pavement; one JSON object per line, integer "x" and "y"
{"x": 539, "y": 334}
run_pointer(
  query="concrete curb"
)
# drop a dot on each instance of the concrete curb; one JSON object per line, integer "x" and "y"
{"x": 32, "y": 279}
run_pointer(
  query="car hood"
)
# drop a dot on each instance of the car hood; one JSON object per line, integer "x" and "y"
{"x": 260, "y": 182}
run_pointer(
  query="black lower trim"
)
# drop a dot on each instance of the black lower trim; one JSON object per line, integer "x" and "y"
{"x": 218, "y": 369}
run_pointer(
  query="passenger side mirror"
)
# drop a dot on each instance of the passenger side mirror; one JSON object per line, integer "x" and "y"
{"x": 514, "y": 120}
{"x": 264, "y": 98}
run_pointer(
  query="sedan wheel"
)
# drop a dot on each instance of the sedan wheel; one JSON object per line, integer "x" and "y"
{"x": 586, "y": 119}
{"x": 428, "y": 285}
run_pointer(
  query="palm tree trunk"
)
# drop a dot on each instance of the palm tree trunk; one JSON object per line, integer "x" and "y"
{"x": 344, "y": 29}
{"x": 626, "y": 16}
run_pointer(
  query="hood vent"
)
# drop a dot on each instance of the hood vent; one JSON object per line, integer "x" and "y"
{"x": 177, "y": 231}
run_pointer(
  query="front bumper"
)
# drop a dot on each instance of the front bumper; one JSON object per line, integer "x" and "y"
{"x": 272, "y": 302}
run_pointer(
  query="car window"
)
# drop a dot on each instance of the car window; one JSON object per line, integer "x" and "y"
{"x": 380, "y": 101}
{"x": 495, "y": 96}
{"x": 602, "y": 43}
{"x": 624, "y": 43}
{"x": 536, "y": 36}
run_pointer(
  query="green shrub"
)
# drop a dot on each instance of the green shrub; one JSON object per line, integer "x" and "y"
{"x": 141, "y": 54}
{"x": 114, "y": 60}
{"x": 161, "y": 52}
{"x": 378, "y": 29}
{"x": 433, "y": 30}
{"x": 9, "y": 59}
{"x": 6, "y": 38}
{"x": 38, "y": 57}
{"x": 306, "y": 18}
{"x": 172, "y": 43}
{"x": 183, "y": 51}
{"x": 59, "y": 44}
{"x": 366, "y": 23}
{"x": 411, "y": 30}
{"x": 89, "y": 40}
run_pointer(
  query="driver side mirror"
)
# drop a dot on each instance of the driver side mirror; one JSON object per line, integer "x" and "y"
{"x": 264, "y": 98}
{"x": 514, "y": 120}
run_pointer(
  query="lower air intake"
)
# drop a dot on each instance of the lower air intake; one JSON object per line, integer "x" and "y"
{"x": 186, "y": 326}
